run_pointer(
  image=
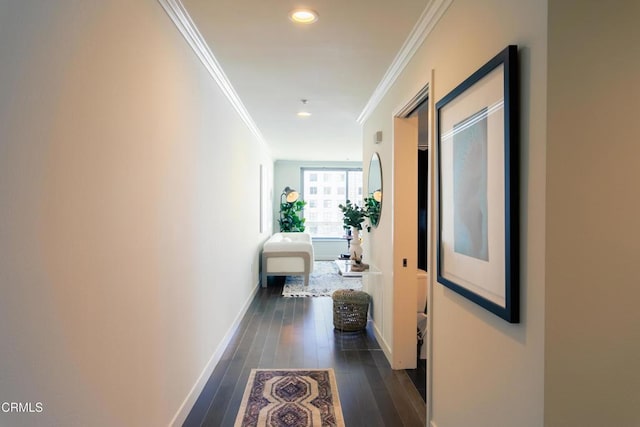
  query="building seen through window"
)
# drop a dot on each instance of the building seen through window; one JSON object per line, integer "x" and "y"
{"x": 324, "y": 190}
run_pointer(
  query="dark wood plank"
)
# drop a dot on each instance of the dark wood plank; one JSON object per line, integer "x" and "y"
{"x": 280, "y": 332}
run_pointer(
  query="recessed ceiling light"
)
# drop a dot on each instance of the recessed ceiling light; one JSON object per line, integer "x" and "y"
{"x": 303, "y": 16}
{"x": 304, "y": 113}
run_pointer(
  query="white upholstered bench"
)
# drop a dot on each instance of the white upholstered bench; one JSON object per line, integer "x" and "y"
{"x": 287, "y": 254}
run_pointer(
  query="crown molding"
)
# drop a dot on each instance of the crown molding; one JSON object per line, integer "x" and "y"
{"x": 427, "y": 21}
{"x": 178, "y": 14}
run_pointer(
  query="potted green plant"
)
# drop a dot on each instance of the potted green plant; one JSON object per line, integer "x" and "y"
{"x": 353, "y": 216}
{"x": 291, "y": 216}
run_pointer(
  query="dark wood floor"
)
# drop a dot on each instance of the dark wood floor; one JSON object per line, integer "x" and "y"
{"x": 282, "y": 332}
{"x": 418, "y": 377}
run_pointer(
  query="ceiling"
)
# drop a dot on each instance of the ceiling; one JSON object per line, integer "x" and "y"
{"x": 335, "y": 63}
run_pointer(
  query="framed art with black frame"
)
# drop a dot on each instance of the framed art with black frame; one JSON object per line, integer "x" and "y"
{"x": 478, "y": 187}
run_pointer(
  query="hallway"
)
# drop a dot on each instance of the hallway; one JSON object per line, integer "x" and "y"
{"x": 281, "y": 332}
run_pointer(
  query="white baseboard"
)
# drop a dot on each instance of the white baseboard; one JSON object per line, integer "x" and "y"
{"x": 190, "y": 400}
{"x": 381, "y": 341}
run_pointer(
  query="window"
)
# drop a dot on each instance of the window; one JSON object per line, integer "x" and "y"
{"x": 322, "y": 214}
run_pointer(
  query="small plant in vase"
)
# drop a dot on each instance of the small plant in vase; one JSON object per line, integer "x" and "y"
{"x": 353, "y": 217}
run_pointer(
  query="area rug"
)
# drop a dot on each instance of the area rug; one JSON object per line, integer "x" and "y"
{"x": 290, "y": 397}
{"x": 323, "y": 281}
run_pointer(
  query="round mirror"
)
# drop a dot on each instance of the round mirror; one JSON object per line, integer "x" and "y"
{"x": 373, "y": 201}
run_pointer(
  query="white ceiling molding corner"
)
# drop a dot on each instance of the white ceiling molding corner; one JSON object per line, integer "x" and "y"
{"x": 427, "y": 21}
{"x": 178, "y": 14}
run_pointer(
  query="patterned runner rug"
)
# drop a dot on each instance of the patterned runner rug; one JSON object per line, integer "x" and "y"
{"x": 291, "y": 397}
{"x": 324, "y": 280}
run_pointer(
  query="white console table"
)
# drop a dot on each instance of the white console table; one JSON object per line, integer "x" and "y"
{"x": 344, "y": 265}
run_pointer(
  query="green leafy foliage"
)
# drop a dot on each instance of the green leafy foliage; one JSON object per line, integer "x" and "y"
{"x": 353, "y": 215}
{"x": 372, "y": 208}
{"x": 290, "y": 216}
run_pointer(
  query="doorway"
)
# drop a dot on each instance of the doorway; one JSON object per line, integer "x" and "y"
{"x": 421, "y": 115}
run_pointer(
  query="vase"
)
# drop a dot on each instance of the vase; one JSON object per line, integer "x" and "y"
{"x": 355, "y": 250}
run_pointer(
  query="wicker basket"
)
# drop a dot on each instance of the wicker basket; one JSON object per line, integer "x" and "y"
{"x": 350, "y": 310}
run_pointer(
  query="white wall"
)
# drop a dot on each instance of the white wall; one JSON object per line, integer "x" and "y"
{"x": 288, "y": 173}
{"x": 593, "y": 205}
{"x": 128, "y": 193}
{"x": 485, "y": 371}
